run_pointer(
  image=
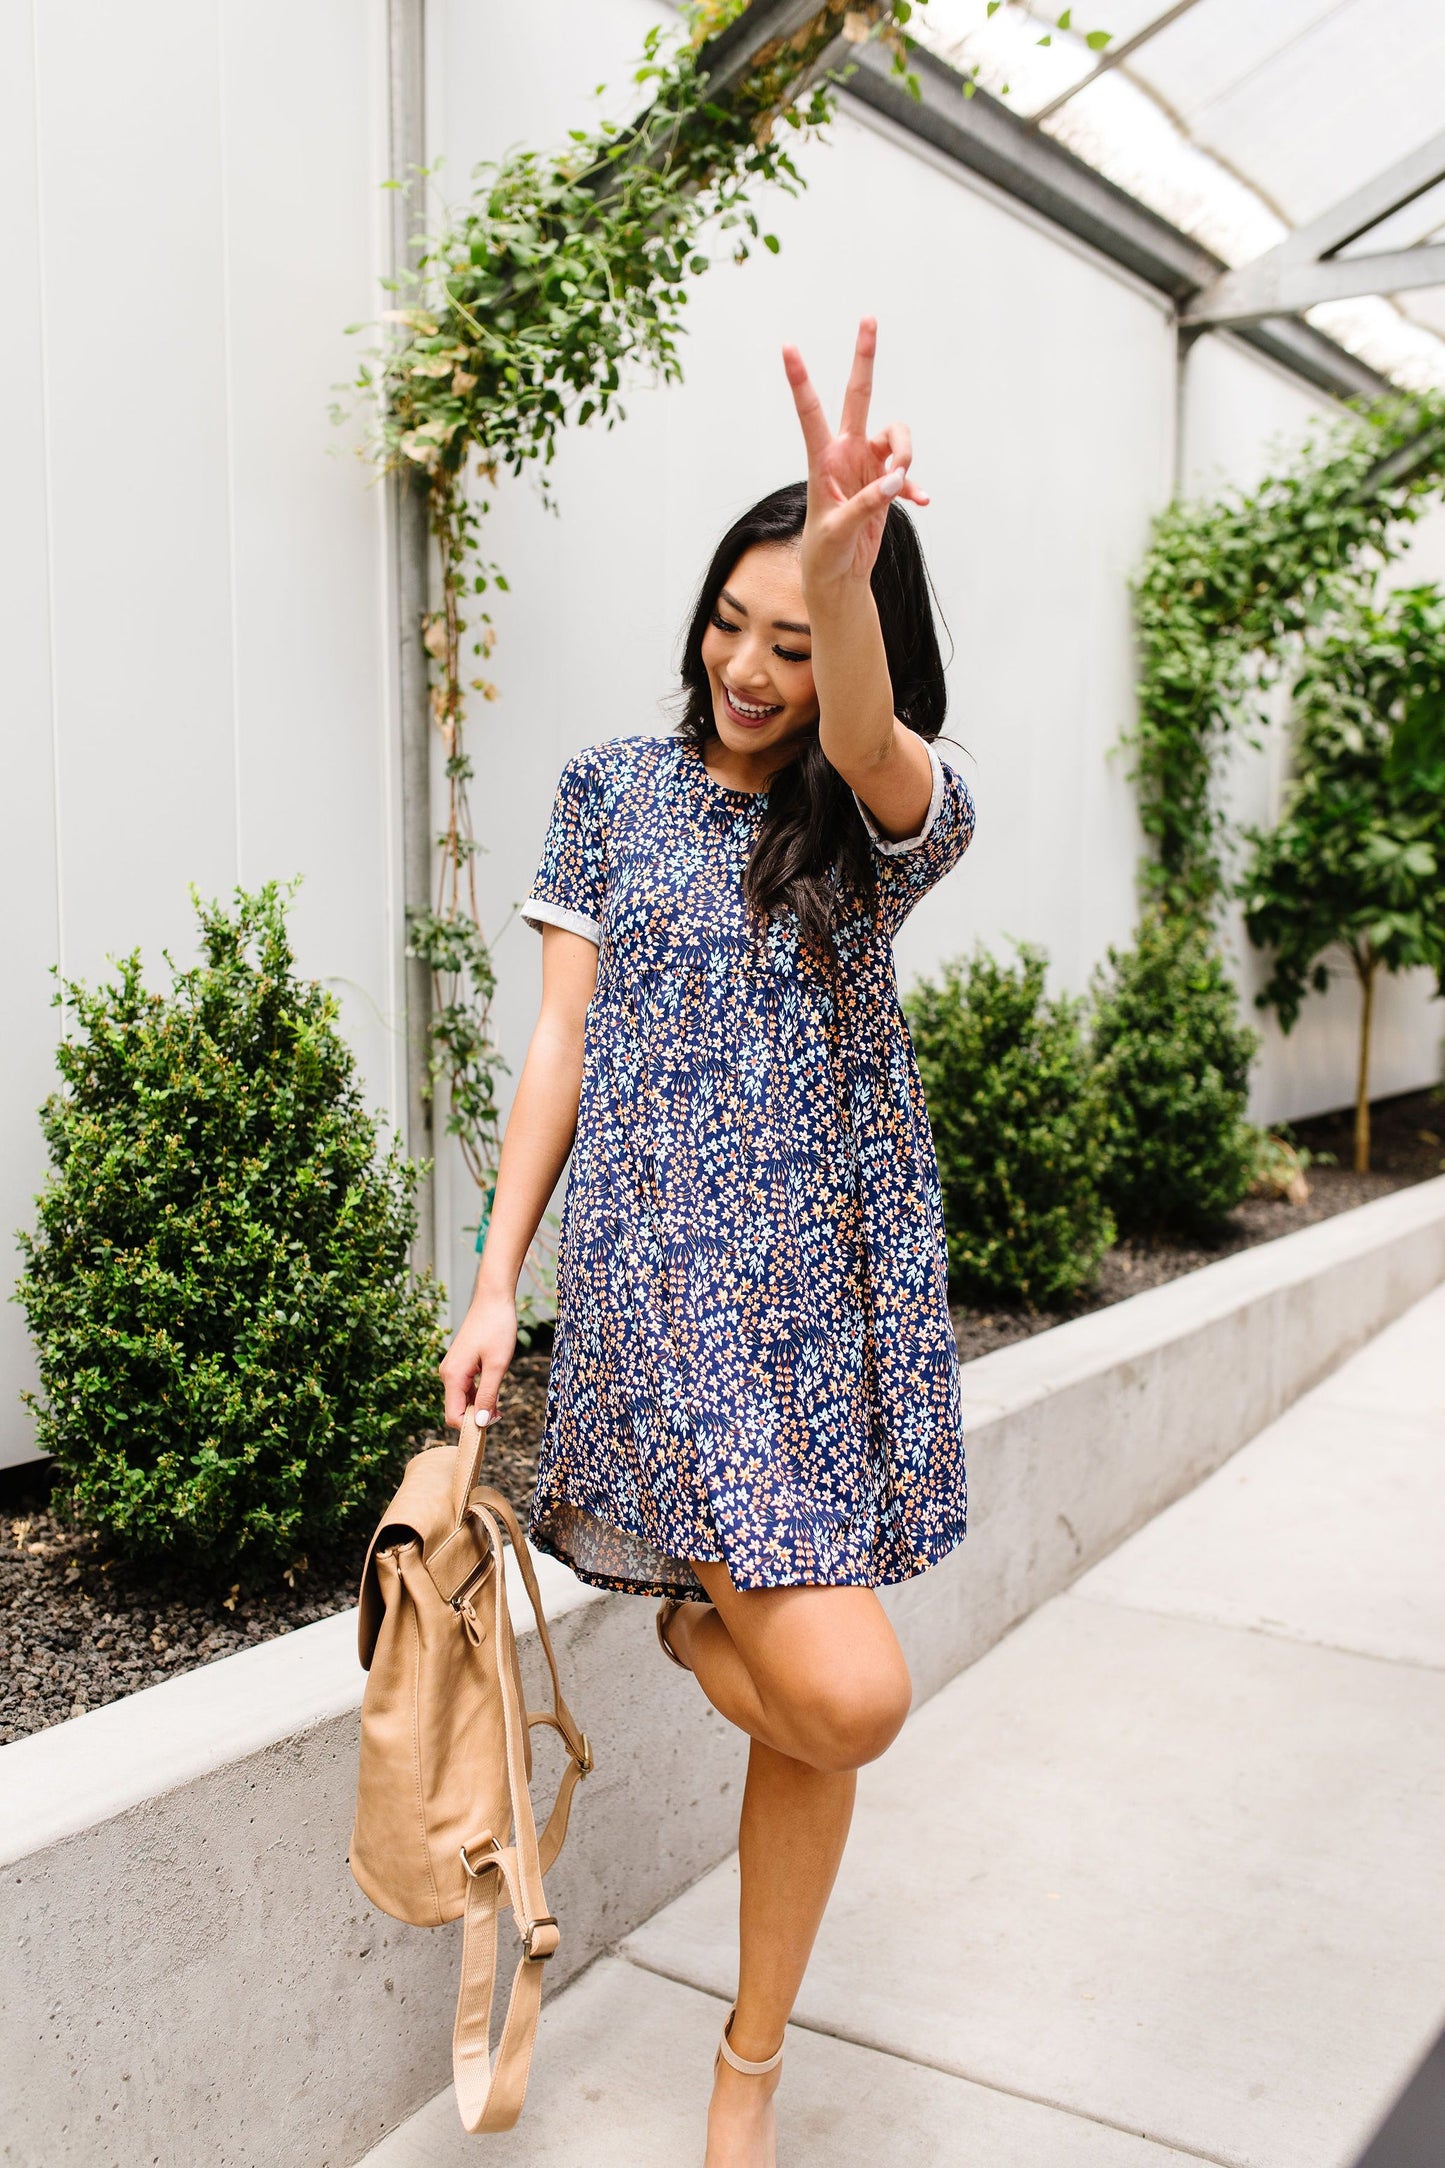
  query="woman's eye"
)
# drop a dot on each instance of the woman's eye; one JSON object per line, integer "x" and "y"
{"x": 787, "y": 654}
{"x": 721, "y": 622}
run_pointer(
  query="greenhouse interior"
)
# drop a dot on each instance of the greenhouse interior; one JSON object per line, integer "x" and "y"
{"x": 392, "y": 383}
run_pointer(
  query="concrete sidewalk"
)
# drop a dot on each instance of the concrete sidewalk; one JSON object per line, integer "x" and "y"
{"x": 1160, "y": 1879}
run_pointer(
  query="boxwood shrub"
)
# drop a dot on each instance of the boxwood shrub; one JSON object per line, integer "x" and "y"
{"x": 1173, "y": 1061}
{"x": 1018, "y": 1126}
{"x": 234, "y": 1356}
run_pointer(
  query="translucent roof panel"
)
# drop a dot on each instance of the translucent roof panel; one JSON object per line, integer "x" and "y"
{"x": 1239, "y": 121}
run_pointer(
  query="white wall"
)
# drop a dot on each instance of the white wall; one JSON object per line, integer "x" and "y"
{"x": 191, "y": 572}
{"x": 194, "y": 577}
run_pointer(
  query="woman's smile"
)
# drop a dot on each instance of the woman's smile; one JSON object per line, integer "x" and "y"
{"x": 750, "y": 713}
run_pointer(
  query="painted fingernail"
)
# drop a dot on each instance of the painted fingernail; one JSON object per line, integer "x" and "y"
{"x": 483, "y": 1418}
{"x": 892, "y": 483}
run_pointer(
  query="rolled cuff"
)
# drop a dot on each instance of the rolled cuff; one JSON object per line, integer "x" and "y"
{"x": 891, "y": 846}
{"x": 538, "y": 912}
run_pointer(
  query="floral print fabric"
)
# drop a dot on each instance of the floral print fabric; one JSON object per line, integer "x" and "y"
{"x": 753, "y": 1358}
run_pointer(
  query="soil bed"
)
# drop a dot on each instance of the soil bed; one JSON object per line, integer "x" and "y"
{"x": 78, "y": 1629}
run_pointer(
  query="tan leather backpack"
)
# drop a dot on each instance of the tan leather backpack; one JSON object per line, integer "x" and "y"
{"x": 444, "y": 1818}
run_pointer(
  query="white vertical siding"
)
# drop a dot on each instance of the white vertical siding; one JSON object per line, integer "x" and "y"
{"x": 192, "y": 567}
{"x": 29, "y": 859}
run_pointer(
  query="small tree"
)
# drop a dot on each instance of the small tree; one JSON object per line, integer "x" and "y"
{"x": 1357, "y": 864}
{"x": 233, "y": 1357}
{"x": 1019, "y": 1129}
{"x": 1173, "y": 1062}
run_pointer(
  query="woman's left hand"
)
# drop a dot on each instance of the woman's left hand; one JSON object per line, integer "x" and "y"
{"x": 852, "y": 477}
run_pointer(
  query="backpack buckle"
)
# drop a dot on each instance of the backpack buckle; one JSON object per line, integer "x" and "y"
{"x": 539, "y": 1956}
{"x": 474, "y": 1874}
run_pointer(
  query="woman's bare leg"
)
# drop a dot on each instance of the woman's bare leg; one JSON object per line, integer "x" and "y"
{"x": 817, "y": 1670}
{"x": 816, "y": 1673}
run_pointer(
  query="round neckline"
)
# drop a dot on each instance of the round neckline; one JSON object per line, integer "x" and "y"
{"x": 728, "y": 790}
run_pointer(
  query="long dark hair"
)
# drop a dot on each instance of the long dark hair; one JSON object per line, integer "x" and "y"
{"x": 812, "y": 824}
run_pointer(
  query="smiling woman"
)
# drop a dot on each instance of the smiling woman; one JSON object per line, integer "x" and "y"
{"x": 753, "y": 1409}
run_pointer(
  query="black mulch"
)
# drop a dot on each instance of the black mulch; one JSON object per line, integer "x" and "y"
{"x": 78, "y": 1629}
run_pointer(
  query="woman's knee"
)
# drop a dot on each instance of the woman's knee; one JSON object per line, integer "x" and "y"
{"x": 826, "y": 1664}
{"x": 847, "y": 1722}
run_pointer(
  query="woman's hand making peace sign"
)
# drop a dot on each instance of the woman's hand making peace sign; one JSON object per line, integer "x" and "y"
{"x": 852, "y": 477}
{"x": 852, "y": 480}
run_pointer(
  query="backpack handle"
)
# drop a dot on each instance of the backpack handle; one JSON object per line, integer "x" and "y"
{"x": 470, "y": 1450}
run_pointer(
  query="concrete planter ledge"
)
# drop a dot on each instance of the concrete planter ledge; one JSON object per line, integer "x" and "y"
{"x": 194, "y": 1979}
{"x": 65, "y": 1779}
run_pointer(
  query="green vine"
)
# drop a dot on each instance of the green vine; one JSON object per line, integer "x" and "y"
{"x": 1230, "y": 588}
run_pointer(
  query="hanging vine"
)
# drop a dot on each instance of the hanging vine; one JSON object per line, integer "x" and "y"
{"x": 1228, "y": 588}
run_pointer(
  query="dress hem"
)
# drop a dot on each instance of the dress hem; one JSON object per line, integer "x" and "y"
{"x": 692, "y": 1590}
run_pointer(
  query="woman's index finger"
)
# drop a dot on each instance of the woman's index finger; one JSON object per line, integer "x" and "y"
{"x": 860, "y": 380}
{"x": 816, "y": 433}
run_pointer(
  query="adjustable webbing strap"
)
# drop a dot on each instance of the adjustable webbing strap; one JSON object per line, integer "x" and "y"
{"x": 490, "y": 2095}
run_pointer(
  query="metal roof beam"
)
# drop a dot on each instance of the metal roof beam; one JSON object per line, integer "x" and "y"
{"x": 1305, "y": 268}
{"x": 986, "y": 137}
{"x": 728, "y": 57}
{"x": 1272, "y": 286}
{"x": 1373, "y": 200}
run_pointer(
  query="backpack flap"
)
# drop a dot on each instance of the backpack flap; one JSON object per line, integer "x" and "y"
{"x": 421, "y": 1512}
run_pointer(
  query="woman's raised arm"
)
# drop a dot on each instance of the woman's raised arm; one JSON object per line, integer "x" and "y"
{"x": 852, "y": 479}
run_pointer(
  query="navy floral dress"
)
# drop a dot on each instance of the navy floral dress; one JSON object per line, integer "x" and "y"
{"x": 753, "y": 1358}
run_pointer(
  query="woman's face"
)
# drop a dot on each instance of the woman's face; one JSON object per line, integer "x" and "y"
{"x": 758, "y": 652}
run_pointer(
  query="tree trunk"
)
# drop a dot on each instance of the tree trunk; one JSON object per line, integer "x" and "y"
{"x": 1366, "y": 967}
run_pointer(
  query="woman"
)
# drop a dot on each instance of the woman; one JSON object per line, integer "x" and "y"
{"x": 753, "y": 1408}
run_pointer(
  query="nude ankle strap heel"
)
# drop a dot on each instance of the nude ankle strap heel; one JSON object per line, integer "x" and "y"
{"x": 667, "y": 1611}
{"x": 730, "y": 2054}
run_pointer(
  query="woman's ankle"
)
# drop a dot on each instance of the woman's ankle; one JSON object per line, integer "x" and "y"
{"x": 748, "y": 2036}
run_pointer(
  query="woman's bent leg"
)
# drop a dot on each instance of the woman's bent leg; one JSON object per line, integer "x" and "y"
{"x": 815, "y": 1673}
{"x": 816, "y": 1676}
{"x": 791, "y": 1836}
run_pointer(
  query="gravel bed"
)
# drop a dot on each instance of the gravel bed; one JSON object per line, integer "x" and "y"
{"x": 78, "y": 1629}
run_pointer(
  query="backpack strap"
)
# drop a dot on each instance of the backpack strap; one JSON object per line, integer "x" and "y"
{"x": 559, "y": 1717}
{"x": 490, "y": 2096}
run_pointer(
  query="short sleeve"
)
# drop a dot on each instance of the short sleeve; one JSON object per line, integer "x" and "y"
{"x": 908, "y": 866}
{"x": 571, "y": 877}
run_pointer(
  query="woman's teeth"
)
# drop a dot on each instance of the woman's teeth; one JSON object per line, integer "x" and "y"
{"x": 745, "y": 708}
